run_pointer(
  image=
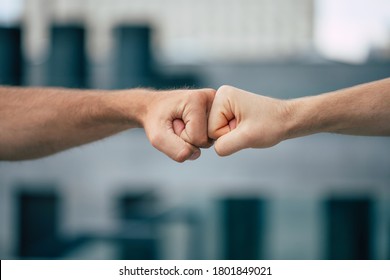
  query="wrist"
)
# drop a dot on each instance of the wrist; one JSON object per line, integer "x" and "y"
{"x": 309, "y": 115}
{"x": 298, "y": 121}
{"x": 129, "y": 106}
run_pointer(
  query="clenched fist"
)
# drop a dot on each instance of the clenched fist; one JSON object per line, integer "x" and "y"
{"x": 176, "y": 122}
{"x": 240, "y": 119}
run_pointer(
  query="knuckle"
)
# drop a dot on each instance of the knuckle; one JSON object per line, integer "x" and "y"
{"x": 208, "y": 93}
{"x": 210, "y": 90}
{"x": 200, "y": 140}
{"x": 209, "y": 143}
{"x": 156, "y": 139}
{"x": 204, "y": 143}
{"x": 224, "y": 89}
{"x": 201, "y": 96}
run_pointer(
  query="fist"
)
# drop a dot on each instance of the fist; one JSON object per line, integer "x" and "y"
{"x": 239, "y": 119}
{"x": 176, "y": 122}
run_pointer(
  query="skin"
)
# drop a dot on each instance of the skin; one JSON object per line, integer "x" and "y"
{"x": 240, "y": 119}
{"x": 36, "y": 122}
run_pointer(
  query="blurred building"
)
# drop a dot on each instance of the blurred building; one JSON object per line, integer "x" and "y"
{"x": 319, "y": 197}
{"x": 185, "y": 30}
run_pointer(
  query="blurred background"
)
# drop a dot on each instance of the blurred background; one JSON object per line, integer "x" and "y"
{"x": 318, "y": 197}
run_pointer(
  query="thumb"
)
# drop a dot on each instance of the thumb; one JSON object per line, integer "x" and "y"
{"x": 173, "y": 146}
{"x": 231, "y": 142}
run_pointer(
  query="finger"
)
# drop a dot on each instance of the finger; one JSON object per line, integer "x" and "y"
{"x": 216, "y": 133}
{"x": 173, "y": 146}
{"x": 231, "y": 142}
{"x": 221, "y": 119}
{"x": 178, "y": 126}
{"x": 233, "y": 124}
{"x": 210, "y": 101}
{"x": 195, "y": 118}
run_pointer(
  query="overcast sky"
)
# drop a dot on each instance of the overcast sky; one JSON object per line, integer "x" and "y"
{"x": 347, "y": 29}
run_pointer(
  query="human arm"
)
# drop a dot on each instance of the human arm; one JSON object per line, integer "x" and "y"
{"x": 35, "y": 122}
{"x": 239, "y": 119}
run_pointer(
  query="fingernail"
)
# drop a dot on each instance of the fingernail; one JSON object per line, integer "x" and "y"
{"x": 195, "y": 155}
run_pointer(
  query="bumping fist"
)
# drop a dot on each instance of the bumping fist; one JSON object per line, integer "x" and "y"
{"x": 239, "y": 119}
{"x": 180, "y": 122}
{"x": 176, "y": 122}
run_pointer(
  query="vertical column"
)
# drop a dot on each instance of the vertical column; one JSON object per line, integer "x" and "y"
{"x": 388, "y": 241}
{"x": 38, "y": 224}
{"x": 349, "y": 228}
{"x": 11, "y": 60}
{"x": 134, "y": 63}
{"x": 137, "y": 207}
{"x": 243, "y": 227}
{"x": 133, "y": 60}
{"x": 67, "y": 64}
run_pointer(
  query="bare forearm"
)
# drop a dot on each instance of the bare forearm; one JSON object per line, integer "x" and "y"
{"x": 35, "y": 122}
{"x": 359, "y": 110}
